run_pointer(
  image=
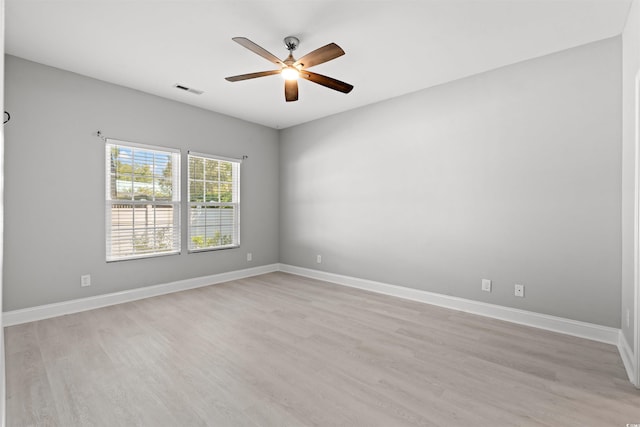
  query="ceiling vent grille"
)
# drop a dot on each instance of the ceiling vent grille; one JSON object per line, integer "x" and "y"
{"x": 188, "y": 89}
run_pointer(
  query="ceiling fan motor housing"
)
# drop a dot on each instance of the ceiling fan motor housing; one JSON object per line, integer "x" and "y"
{"x": 291, "y": 43}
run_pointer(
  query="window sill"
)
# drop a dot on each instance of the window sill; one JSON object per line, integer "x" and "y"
{"x": 132, "y": 258}
{"x": 217, "y": 248}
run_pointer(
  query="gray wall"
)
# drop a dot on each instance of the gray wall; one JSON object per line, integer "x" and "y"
{"x": 513, "y": 175}
{"x": 54, "y": 179}
{"x": 630, "y": 69}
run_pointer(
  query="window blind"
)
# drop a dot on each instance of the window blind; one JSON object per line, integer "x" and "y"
{"x": 142, "y": 200}
{"x": 214, "y": 202}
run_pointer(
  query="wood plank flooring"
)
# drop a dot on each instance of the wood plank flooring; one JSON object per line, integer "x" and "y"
{"x": 282, "y": 350}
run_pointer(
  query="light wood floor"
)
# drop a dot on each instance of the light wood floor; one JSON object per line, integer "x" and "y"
{"x": 282, "y": 350}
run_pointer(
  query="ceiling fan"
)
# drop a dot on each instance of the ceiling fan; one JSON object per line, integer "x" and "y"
{"x": 292, "y": 69}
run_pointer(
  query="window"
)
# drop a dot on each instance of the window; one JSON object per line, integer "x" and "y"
{"x": 214, "y": 202}
{"x": 142, "y": 200}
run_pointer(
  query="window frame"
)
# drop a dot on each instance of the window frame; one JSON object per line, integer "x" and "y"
{"x": 175, "y": 202}
{"x": 235, "y": 203}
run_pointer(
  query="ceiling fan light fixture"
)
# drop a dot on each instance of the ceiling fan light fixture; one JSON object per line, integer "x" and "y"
{"x": 290, "y": 73}
{"x": 292, "y": 69}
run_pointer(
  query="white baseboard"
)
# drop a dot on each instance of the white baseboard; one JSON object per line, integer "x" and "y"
{"x": 626, "y": 353}
{"x": 31, "y": 314}
{"x": 552, "y": 323}
{"x": 543, "y": 321}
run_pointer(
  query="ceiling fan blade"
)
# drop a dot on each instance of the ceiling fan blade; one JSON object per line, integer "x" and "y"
{"x": 320, "y": 55}
{"x": 257, "y": 49}
{"x": 329, "y": 82}
{"x": 251, "y": 75}
{"x": 291, "y": 90}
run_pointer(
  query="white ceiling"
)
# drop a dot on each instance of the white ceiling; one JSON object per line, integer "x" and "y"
{"x": 392, "y": 47}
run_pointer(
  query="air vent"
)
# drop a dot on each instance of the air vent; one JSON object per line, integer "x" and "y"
{"x": 188, "y": 89}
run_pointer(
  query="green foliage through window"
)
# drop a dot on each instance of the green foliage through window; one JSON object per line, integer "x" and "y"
{"x": 201, "y": 242}
{"x": 141, "y": 175}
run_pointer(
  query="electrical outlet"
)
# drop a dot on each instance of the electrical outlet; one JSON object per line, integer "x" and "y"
{"x": 249, "y": 256}
{"x": 85, "y": 280}
{"x": 519, "y": 290}
{"x": 319, "y": 259}
{"x": 486, "y": 285}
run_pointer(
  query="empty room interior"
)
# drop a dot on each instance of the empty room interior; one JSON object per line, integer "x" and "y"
{"x": 296, "y": 213}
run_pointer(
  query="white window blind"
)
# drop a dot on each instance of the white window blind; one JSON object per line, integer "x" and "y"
{"x": 214, "y": 202}
{"x": 142, "y": 200}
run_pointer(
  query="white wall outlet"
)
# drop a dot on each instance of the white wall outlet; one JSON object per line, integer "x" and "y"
{"x": 319, "y": 259}
{"x": 85, "y": 280}
{"x": 249, "y": 256}
{"x": 486, "y": 285}
{"x": 519, "y": 290}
